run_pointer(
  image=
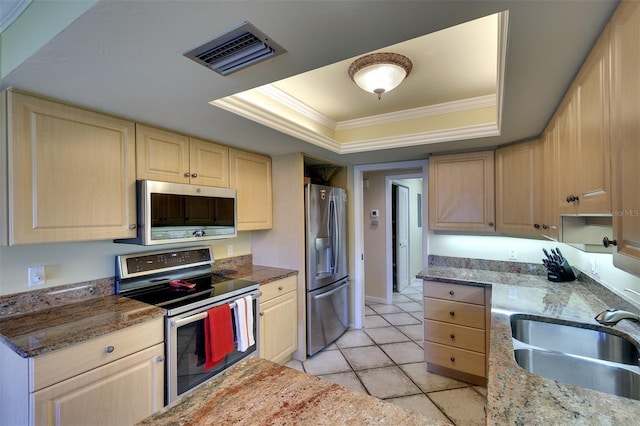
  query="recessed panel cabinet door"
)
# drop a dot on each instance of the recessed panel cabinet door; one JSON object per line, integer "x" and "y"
{"x": 250, "y": 175}
{"x": 461, "y": 192}
{"x": 625, "y": 136}
{"x": 71, "y": 173}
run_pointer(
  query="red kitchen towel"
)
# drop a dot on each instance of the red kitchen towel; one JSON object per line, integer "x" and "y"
{"x": 218, "y": 335}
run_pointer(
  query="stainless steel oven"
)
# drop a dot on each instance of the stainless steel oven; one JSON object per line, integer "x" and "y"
{"x": 181, "y": 282}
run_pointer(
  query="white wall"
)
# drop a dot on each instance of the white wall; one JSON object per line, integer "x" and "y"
{"x": 530, "y": 251}
{"x": 68, "y": 263}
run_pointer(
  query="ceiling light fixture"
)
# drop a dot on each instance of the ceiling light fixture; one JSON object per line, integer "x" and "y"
{"x": 380, "y": 72}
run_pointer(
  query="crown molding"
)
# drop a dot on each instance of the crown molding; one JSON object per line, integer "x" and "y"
{"x": 270, "y": 119}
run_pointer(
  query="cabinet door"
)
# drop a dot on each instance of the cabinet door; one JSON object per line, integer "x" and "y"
{"x": 592, "y": 155}
{"x": 209, "y": 163}
{"x": 162, "y": 155}
{"x": 518, "y": 188}
{"x": 549, "y": 179}
{"x": 120, "y": 393}
{"x": 565, "y": 122}
{"x": 625, "y": 136}
{"x": 461, "y": 192}
{"x": 279, "y": 327}
{"x": 72, "y": 173}
{"x": 250, "y": 175}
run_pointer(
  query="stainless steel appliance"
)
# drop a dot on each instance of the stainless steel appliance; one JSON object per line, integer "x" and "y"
{"x": 182, "y": 282}
{"x": 326, "y": 264}
{"x": 179, "y": 213}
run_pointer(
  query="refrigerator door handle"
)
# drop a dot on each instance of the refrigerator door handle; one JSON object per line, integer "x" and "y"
{"x": 335, "y": 290}
{"x": 333, "y": 234}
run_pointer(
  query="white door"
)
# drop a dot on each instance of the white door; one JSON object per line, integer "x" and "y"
{"x": 402, "y": 237}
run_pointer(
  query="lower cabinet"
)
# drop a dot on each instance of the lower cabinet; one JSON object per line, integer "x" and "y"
{"x": 456, "y": 330}
{"x": 279, "y": 319}
{"x": 114, "y": 379}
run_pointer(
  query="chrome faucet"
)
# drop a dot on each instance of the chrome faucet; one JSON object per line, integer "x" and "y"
{"x": 613, "y": 316}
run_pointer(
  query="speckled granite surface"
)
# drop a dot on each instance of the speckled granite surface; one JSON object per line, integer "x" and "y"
{"x": 516, "y": 397}
{"x": 259, "y": 392}
{"x": 55, "y": 328}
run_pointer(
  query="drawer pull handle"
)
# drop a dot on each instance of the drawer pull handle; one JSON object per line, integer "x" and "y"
{"x": 451, "y": 292}
{"x": 452, "y": 359}
{"x": 280, "y": 288}
{"x": 452, "y": 313}
{"x": 110, "y": 349}
{"x": 453, "y": 336}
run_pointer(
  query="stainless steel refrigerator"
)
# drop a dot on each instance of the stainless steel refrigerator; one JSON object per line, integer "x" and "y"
{"x": 327, "y": 274}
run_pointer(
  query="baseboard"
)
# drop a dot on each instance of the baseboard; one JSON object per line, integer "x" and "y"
{"x": 372, "y": 299}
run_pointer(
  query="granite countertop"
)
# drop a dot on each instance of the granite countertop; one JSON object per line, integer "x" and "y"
{"x": 260, "y": 392}
{"x": 34, "y": 327}
{"x": 518, "y": 397}
{"x": 47, "y": 330}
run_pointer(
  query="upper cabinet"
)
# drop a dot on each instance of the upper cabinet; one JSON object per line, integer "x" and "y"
{"x": 549, "y": 183}
{"x": 461, "y": 192}
{"x": 518, "y": 188}
{"x": 171, "y": 157}
{"x": 584, "y": 137}
{"x": 625, "y": 135}
{"x": 71, "y": 173}
{"x": 250, "y": 175}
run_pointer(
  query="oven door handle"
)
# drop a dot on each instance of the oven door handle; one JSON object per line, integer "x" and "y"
{"x": 202, "y": 315}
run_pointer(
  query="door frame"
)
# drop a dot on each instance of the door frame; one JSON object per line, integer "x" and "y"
{"x": 358, "y": 227}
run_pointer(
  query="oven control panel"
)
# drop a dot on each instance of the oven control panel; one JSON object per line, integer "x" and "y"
{"x": 139, "y": 264}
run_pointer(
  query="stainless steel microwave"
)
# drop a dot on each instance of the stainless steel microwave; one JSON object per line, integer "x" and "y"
{"x": 180, "y": 213}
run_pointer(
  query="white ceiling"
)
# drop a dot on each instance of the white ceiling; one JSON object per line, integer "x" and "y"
{"x": 125, "y": 57}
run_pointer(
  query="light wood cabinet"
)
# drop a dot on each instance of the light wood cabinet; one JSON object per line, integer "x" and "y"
{"x": 625, "y": 135}
{"x": 518, "y": 185}
{"x": 549, "y": 180}
{"x": 456, "y": 330}
{"x": 250, "y": 175}
{"x": 170, "y": 157}
{"x": 71, "y": 173}
{"x": 584, "y": 155}
{"x": 279, "y": 319}
{"x": 117, "y": 378}
{"x": 462, "y": 192}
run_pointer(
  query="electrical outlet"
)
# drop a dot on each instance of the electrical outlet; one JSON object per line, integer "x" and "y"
{"x": 36, "y": 275}
{"x": 230, "y": 250}
{"x": 513, "y": 254}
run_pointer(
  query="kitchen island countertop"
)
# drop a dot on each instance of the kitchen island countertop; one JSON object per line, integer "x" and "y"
{"x": 516, "y": 397}
{"x": 260, "y": 392}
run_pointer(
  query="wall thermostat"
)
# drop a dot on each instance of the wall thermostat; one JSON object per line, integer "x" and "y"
{"x": 375, "y": 213}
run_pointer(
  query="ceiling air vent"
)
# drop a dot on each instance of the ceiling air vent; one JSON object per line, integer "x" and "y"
{"x": 236, "y": 49}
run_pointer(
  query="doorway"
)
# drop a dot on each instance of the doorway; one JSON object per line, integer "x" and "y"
{"x": 371, "y": 219}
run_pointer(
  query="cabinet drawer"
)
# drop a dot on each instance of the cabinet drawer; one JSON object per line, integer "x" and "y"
{"x": 455, "y": 292}
{"x": 277, "y": 288}
{"x": 459, "y": 336}
{"x": 455, "y": 359}
{"x": 69, "y": 362}
{"x": 454, "y": 312}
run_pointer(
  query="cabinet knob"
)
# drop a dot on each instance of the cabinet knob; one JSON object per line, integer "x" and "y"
{"x": 545, "y": 226}
{"x": 452, "y": 336}
{"x": 160, "y": 358}
{"x": 452, "y": 359}
{"x": 491, "y": 224}
{"x": 537, "y": 226}
{"x": 572, "y": 198}
{"x": 261, "y": 314}
{"x": 451, "y": 292}
{"x": 133, "y": 226}
{"x": 194, "y": 175}
{"x": 109, "y": 349}
{"x": 187, "y": 174}
{"x": 607, "y": 242}
{"x": 452, "y": 313}
{"x": 280, "y": 288}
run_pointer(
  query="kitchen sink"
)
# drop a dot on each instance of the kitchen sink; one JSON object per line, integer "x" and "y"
{"x": 586, "y": 355}
{"x": 588, "y": 373}
{"x": 595, "y": 342}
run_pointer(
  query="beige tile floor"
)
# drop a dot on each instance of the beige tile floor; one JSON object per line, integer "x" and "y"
{"x": 385, "y": 359}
